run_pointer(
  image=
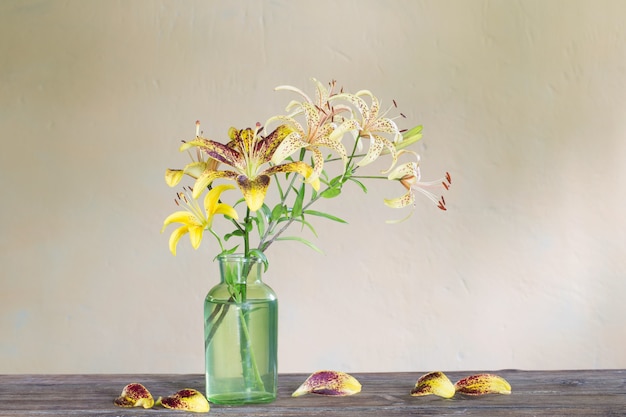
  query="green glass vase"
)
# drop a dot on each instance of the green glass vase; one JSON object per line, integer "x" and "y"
{"x": 241, "y": 335}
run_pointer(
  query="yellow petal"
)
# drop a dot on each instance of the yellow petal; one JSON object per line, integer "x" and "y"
{"x": 226, "y": 210}
{"x": 329, "y": 383}
{"x": 195, "y": 235}
{"x": 483, "y": 384}
{"x": 207, "y": 177}
{"x": 175, "y": 237}
{"x": 183, "y": 217}
{"x": 195, "y": 169}
{"x": 135, "y": 395}
{"x": 436, "y": 383}
{"x": 173, "y": 176}
{"x": 212, "y": 197}
{"x": 254, "y": 190}
{"x": 315, "y": 182}
{"x": 187, "y": 399}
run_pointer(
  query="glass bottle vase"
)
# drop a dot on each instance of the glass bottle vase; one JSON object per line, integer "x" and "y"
{"x": 241, "y": 334}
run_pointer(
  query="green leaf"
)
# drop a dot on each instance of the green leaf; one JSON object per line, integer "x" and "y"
{"x": 336, "y": 181}
{"x": 296, "y": 210}
{"x": 331, "y": 192}
{"x": 360, "y": 184}
{"x": 299, "y": 239}
{"x": 260, "y": 221}
{"x": 278, "y": 211}
{"x": 301, "y": 221}
{"x": 258, "y": 253}
{"x": 237, "y": 233}
{"x": 325, "y": 215}
{"x": 226, "y": 252}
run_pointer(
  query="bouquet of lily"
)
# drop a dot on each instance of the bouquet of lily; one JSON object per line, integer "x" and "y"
{"x": 289, "y": 149}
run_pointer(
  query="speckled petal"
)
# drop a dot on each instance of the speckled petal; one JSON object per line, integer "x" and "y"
{"x": 344, "y": 128}
{"x": 218, "y": 151}
{"x": 187, "y": 399}
{"x": 400, "y": 202}
{"x": 483, "y": 384}
{"x": 135, "y": 395}
{"x": 436, "y": 383}
{"x": 329, "y": 383}
{"x": 289, "y": 145}
{"x": 208, "y": 177}
{"x": 401, "y": 171}
{"x": 254, "y": 190}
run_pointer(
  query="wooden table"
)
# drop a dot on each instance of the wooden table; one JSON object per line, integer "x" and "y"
{"x": 535, "y": 393}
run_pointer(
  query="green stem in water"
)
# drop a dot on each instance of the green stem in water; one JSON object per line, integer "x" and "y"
{"x": 248, "y": 359}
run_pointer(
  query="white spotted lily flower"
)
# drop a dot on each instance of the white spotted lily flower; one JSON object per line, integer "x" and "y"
{"x": 320, "y": 123}
{"x": 409, "y": 176}
{"x": 370, "y": 126}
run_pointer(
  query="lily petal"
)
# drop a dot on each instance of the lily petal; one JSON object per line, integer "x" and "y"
{"x": 207, "y": 178}
{"x": 226, "y": 210}
{"x": 218, "y": 151}
{"x": 288, "y": 146}
{"x": 187, "y": 399}
{"x": 329, "y": 383}
{"x": 436, "y": 383}
{"x": 175, "y": 238}
{"x": 184, "y": 217}
{"x": 195, "y": 235}
{"x": 400, "y": 202}
{"x": 254, "y": 190}
{"x": 212, "y": 197}
{"x": 343, "y": 128}
{"x": 135, "y": 395}
{"x": 173, "y": 176}
{"x": 483, "y": 384}
{"x": 299, "y": 167}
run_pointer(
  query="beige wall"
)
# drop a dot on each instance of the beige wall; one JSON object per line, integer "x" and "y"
{"x": 522, "y": 101}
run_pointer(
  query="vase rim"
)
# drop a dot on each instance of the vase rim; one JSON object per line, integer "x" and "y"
{"x": 239, "y": 257}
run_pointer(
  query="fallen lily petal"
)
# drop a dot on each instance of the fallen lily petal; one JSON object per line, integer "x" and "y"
{"x": 436, "y": 383}
{"x": 187, "y": 399}
{"x": 483, "y": 384}
{"x": 135, "y": 395}
{"x": 329, "y": 383}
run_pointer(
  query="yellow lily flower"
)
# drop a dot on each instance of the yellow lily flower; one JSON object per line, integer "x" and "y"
{"x": 369, "y": 126}
{"x": 246, "y": 153}
{"x": 194, "y": 219}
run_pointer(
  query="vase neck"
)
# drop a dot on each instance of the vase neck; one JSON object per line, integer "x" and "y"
{"x": 239, "y": 269}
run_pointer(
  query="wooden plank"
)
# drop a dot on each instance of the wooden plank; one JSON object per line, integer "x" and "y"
{"x": 535, "y": 393}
